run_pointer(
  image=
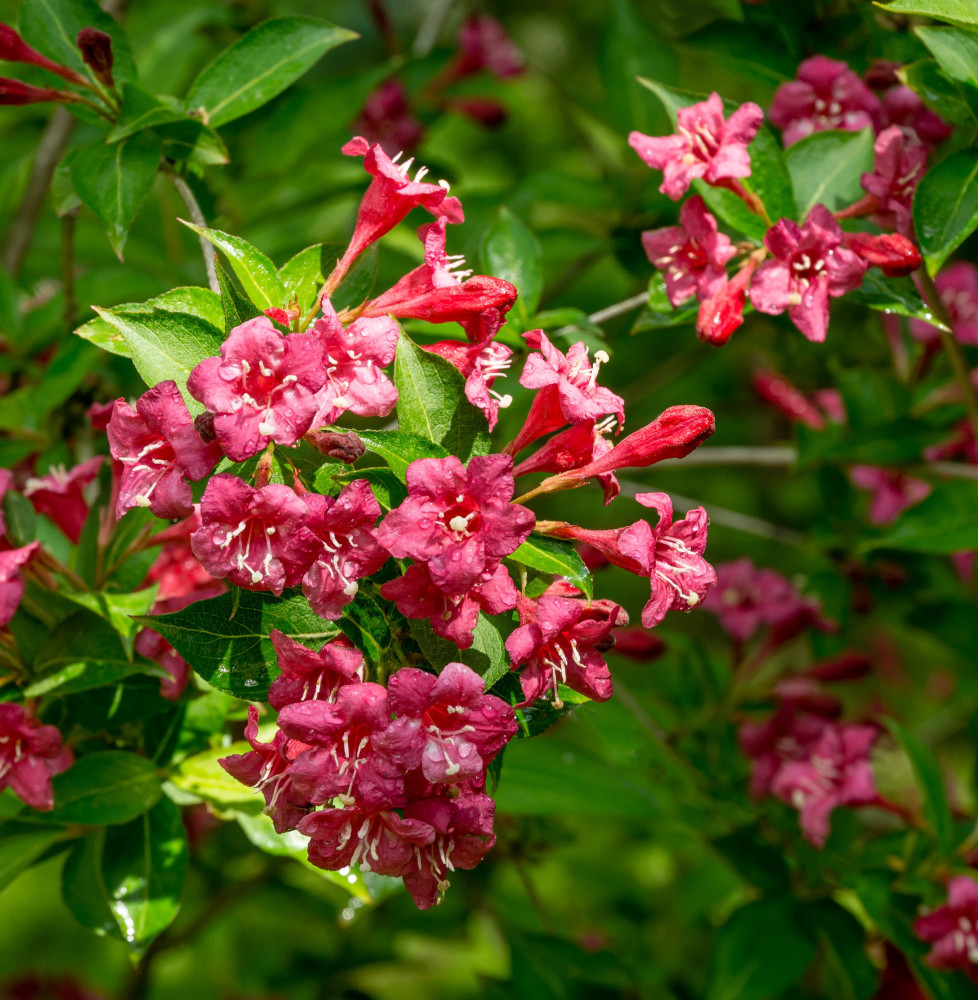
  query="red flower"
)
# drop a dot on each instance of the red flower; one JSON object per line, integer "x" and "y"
{"x": 481, "y": 364}
{"x": 309, "y": 676}
{"x": 30, "y": 755}
{"x": 60, "y": 495}
{"x": 952, "y": 929}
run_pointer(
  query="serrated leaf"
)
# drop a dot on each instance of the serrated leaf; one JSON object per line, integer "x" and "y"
{"x": 253, "y": 269}
{"x": 930, "y": 780}
{"x": 945, "y": 207}
{"x": 261, "y": 64}
{"x": 431, "y": 402}
{"x": 896, "y": 296}
{"x": 941, "y": 524}
{"x": 511, "y": 251}
{"x": 105, "y": 336}
{"x": 237, "y": 308}
{"x": 226, "y": 639}
{"x": 105, "y": 788}
{"x": 113, "y": 181}
{"x": 938, "y": 92}
{"x": 364, "y": 623}
{"x": 486, "y": 656}
{"x": 303, "y": 275}
{"x": 554, "y": 555}
{"x": 202, "y": 776}
{"x": 387, "y": 488}
{"x": 944, "y": 10}
{"x": 399, "y": 449}
{"x": 956, "y": 51}
{"x": 826, "y": 168}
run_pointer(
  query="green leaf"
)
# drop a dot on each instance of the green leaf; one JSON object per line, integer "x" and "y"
{"x": 226, "y": 639}
{"x": 760, "y": 863}
{"x": 945, "y": 207}
{"x": 20, "y": 518}
{"x": 956, "y": 51}
{"x": 113, "y": 181}
{"x": 165, "y": 339}
{"x": 304, "y": 274}
{"x": 554, "y": 555}
{"x": 826, "y": 168}
{"x": 142, "y": 110}
{"x": 963, "y": 11}
{"x": 511, "y": 251}
{"x": 254, "y": 270}
{"x": 20, "y": 849}
{"x": 117, "y": 610}
{"x": 52, "y": 26}
{"x": 943, "y": 523}
{"x": 399, "y": 449}
{"x": 105, "y": 336}
{"x": 364, "y": 623}
{"x": 203, "y": 777}
{"x": 850, "y": 974}
{"x": 237, "y": 308}
{"x": 431, "y": 402}
{"x": 126, "y": 881}
{"x": 660, "y": 313}
{"x": 261, "y": 64}
{"x": 193, "y": 141}
{"x": 387, "y": 488}
{"x": 105, "y": 788}
{"x": 938, "y": 92}
{"x": 769, "y": 179}
{"x": 753, "y": 962}
{"x": 930, "y": 780}
{"x": 896, "y": 296}
{"x": 486, "y": 656}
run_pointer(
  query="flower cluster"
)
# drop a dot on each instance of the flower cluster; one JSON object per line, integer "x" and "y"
{"x": 799, "y": 266}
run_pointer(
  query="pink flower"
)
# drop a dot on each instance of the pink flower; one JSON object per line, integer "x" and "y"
{"x": 60, "y": 495}
{"x": 895, "y": 255}
{"x": 575, "y": 448}
{"x": 267, "y": 768}
{"x": 836, "y": 772}
{"x": 826, "y": 95}
{"x": 257, "y": 539}
{"x": 952, "y": 929}
{"x": 900, "y": 162}
{"x": 893, "y": 491}
{"x": 568, "y": 390}
{"x": 810, "y": 265}
{"x": 345, "y": 761}
{"x": 788, "y": 735}
{"x": 380, "y": 842}
{"x": 958, "y": 287}
{"x": 463, "y": 836}
{"x": 457, "y": 521}
{"x": 307, "y": 675}
{"x": 705, "y": 145}
{"x": 262, "y": 388}
{"x": 344, "y": 526}
{"x": 158, "y": 446}
{"x": 386, "y": 119}
{"x": 446, "y": 724}
{"x": 481, "y": 364}
{"x": 484, "y": 45}
{"x": 354, "y": 357}
{"x": 693, "y": 255}
{"x": 560, "y": 641}
{"x": 902, "y": 106}
{"x": 436, "y": 291}
{"x": 30, "y": 755}
{"x": 391, "y": 195}
{"x": 453, "y": 616}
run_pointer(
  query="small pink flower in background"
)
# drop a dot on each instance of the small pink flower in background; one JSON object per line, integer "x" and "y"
{"x": 952, "y": 929}
{"x": 827, "y": 94}
{"x": 903, "y": 107}
{"x": 789, "y": 735}
{"x": 481, "y": 364}
{"x": 446, "y": 724}
{"x": 181, "y": 578}
{"x": 899, "y": 164}
{"x": 810, "y": 266}
{"x": 575, "y": 448}
{"x": 154, "y": 647}
{"x": 775, "y": 389}
{"x": 307, "y": 675}
{"x": 386, "y": 119}
{"x": 59, "y": 495}
{"x": 835, "y": 772}
{"x": 463, "y": 836}
{"x": 257, "y": 539}
{"x": 484, "y": 45}
{"x": 262, "y": 388}
{"x": 638, "y": 644}
{"x": 893, "y": 491}
{"x": 452, "y": 615}
{"x": 958, "y": 287}
{"x": 391, "y": 195}
{"x": 560, "y": 641}
{"x": 440, "y": 290}
{"x": 705, "y": 145}
{"x": 692, "y": 256}
{"x": 458, "y": 521}
{"x": 267, "y": 768}
{"x": 568, "y": 390}
{"x": 353, "y": 357}
{"x": 30, "y": 755}
{"x": 157, "y": 447}
{"x": 344, "y": 526}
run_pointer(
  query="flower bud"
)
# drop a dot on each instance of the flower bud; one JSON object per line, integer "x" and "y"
{"x": 204, "y": 426}
{"x": 13, "y": 48}
{"x": 893, "y": 254}
{"x": 347, "y": 447}
{"x": 849, "y": 666}
{"x": 96, "y": 51}
{"x": 723, "y": 313}
{"x": 16, "y": 92}
{"x": 792, "y": 402}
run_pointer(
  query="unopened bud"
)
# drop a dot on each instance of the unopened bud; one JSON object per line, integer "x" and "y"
{"x": 204, "y": 426}
{"x": 284, "y": 317}
{"x": 893, "y": 254}
{"x": 13, "y": 48}
{"x": 638, "y": 643}
{"x": 16, "y": 92}
{"x": 263, "y": 471}
{"x": 346, "y": 447}
{"x": 850, "y": 666}
{"x": 490, "y": 114}
{"x": 792, "y": 402}
{"x": 723, "y": 313}
{"x": 96, "y": 51}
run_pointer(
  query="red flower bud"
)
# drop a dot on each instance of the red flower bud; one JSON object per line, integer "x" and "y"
{"x": 848, "y": 666}
{"x": 96, "y": 51}
{"x": 893, "y": 254}
{"x": 793, "y": 403}
{"x": 13, "y": 48}
{"x": 638, "y": 643}
{"x": 346, "y": 447}
{"x": 16, "y": 92}
{"x": 723, "y": 313}
{"x": 488, "y": 113}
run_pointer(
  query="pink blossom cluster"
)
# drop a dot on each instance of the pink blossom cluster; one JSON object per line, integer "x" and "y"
{"x": 799, "y": 266}
{"x": 391, "y": 778}
{"x": 952, "y": 929}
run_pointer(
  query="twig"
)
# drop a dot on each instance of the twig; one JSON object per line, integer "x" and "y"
{"x": 197, "y": 217}
{"x": 736, "y": 455}
{"x": 619, "y": 308}
{"x": 427, "y": 34}
{"x": 54, "y": 141}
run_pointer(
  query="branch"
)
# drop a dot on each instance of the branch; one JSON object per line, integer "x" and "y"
{"x": 197, "y": 217}
{"x": 619, "y": 308}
